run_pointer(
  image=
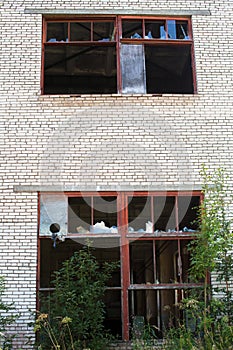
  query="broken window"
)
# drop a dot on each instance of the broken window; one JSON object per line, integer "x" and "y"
{"x": 148, "y": 233}
{"x": 117, "y": 55}
{"x": 92, "y": 214}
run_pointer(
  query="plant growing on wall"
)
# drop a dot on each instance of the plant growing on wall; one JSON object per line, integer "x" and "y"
{"x": 211, "y": 252}
{"x": 211, "y": 256}
{"x": 6, "y": 319}
{"x": 78, "y": 297}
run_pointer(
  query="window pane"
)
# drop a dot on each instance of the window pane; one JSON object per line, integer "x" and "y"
{"x": 141, "y": 262}
{"x": 51, "y": 258}
{"x": 80, "y": 69}
{"x": 182, "y": 30}
{"x": 177, "y": 29}
{"x": 132, "y": 29}
{"x": 105, "y": 215}
{"x": 133, "y": 69}
{"x": 53, "y": 214}
{"x": 79, "y": 214}
{"x": 185, "y": 259}
{"x": 139, "y": 214}
{"x": 164, "y": 214}
{"x": 171, "y": 29}
{"x": 155, "y": 30}
{"x": 168, "y": 69}
{"x": 57, "y": 32}
{"x": 188, "y": 210}
{"x": 156, "y": 308}
{"x": 80, "y": 31}
{"x": 112, "y": 321}
{"x": 167, "y": 261}
{"x": 103, "y": 31}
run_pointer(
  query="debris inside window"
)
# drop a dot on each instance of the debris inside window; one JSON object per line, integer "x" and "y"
{"x": 92, "y": 215}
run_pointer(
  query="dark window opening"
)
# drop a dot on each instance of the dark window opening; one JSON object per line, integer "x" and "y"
{"x": 164, "y": 213}
{"x": 168, "y": 262}
{"x": 139, "y": 213}
{"x": 185, "y": 259}
{"x": 161, "y": 261}
{"x": 79, "y": 214}
{"x": 57, "y": 32}
{"x": 80, "y": 69}
{"x": 103, "y": 31}
{"x": 80, "y": 31}
{"x": 105, "y": 209}
{"x": 157, "y": 271}
{"x": 168, "y": 69}
{"x": 132, "y": 29}
{"x": 141, "y": 263}
{"x": 112, "y": 301}
{"x": 155, "y": 29}
{"x": 188, "y": 212}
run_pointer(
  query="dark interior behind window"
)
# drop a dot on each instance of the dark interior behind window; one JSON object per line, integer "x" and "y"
{"x": 168, "y": 69}
{"x": 80, "y": 69}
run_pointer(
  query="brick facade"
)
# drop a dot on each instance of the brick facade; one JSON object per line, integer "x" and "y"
{"x": 101, "y": 142}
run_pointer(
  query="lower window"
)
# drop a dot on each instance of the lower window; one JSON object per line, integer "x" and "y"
{"x": 149, "y": 237}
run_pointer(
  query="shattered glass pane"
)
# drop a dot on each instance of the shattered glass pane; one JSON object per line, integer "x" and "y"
{"x": 53, "y": 210}
{"x": 153, "y": 29}
{"x": 132, "y": 29}
{"x": 57, "y": 32}
{"x": 177, "y": 29}
{"x": 182, "y": 30}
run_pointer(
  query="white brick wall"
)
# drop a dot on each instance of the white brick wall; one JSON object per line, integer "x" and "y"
{"x": 107, "y": 141}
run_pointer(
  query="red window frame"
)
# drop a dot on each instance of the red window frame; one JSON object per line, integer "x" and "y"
{"x": 118, "y": 40}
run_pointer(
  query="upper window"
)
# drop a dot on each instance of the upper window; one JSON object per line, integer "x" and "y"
{"x": 119, "y": 54}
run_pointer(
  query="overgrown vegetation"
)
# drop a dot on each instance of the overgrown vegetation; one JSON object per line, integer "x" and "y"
{"x": 6, "y": 319}
{"x": 76, "y": 316}
{"x": 144, "y": 338}
{"x": 210, "y": 309}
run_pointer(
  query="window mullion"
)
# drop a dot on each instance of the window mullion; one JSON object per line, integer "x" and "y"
{"x": 92, "y": 211}
{"x": 92, "y": 30}
{"x": 68, "y": 34}
{"x": 180, "y": 272}
{"x": 176, "y": 213}
{"x": 166, "y": 29}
